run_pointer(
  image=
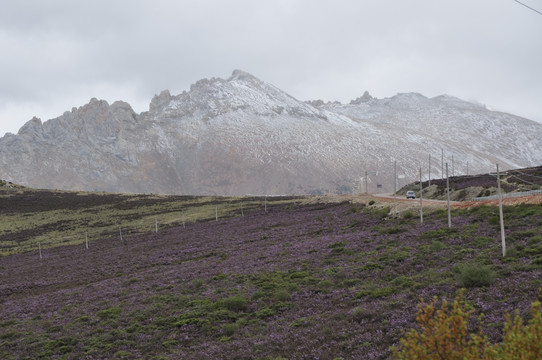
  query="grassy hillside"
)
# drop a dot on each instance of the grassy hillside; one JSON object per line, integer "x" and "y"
{"x": 464, "y": 188}
{"x": 53, "y": 218}
{"x": 306, "y": 279}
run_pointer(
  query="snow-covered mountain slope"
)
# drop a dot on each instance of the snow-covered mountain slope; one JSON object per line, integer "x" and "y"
{"x": 244, "y": 136}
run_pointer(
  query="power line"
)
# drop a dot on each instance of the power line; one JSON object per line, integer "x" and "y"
{"x": 528, "y": 7}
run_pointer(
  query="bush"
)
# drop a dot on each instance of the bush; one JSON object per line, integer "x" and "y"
{"x": 535, "y": 240}
{"x": 494, "y": 220}
{"x": 265, "y": 312}
{"x": 444, "y": 335}
{"x": 325, "y": 285}
{"x": 522, "y": 342}
{"x": 282, "y": 295}
{"x": 110, "y": 313}
{"x": 376, "y": 292}
{"x": 359, "y": 315}
{"x": 233, "y": 303}
{"x": 475, "y": 275}
{"x": 230, "y": 329}
{"x": 436, "y": 245}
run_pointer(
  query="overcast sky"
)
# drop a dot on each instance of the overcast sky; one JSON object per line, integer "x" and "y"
{"x": 58, "y": 54}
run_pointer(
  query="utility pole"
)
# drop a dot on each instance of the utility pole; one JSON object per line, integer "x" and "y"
{"x": 421, "y": 197}
{"x": 429, "y": 169}
{"x": 503, "y": 241}
{"x": 366, "y": 182}
{"x": 395, "y": 186}
{"x": 448, "y": 197}
{"x": 442, "y": 163}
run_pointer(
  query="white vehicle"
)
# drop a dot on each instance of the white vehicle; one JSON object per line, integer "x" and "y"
{"x": 410, "y": 195}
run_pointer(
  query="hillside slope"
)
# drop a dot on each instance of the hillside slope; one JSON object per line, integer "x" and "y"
{"x": 298, "y": 281}
{"x": 467, "y": 187}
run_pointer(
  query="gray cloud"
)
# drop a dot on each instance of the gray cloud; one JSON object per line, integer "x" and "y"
{"x": 59, "y": 53}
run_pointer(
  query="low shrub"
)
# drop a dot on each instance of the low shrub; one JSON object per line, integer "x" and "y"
{"x": 110, "y": 313}
{"x": 359, "y": 314}
{"x": 481, "y": 241}
{"x": 475, "y": 275}
{"x": 494, "y": 220}
{"x": 436, "y": 245}
{"x": 356, "y": 209}
{"x": 389, "y": 230}
{"x": 403, "y": 281}
{"x": 230, "y": 329}
{"x": 325, "y": 285}
{"x": 282, "y": 295}
{"x": 233, "y": 303}
{"x": 444, "y": 334}
{"x": 264, "y": 313}
{"x": 380, "y": 212}
{"x": 535, "y": 240}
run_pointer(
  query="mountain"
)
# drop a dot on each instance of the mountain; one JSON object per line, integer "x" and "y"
{"x": 241, "y": 136}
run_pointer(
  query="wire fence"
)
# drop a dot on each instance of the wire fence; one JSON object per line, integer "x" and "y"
{"x": 143, "y": 224}
{"x": 123, "y": 231}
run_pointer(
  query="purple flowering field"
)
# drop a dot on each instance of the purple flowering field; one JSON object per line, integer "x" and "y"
{"x": 300, "y": 281}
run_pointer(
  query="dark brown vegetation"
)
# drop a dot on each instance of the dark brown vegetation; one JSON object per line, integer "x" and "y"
{"x": 468, "y": 186}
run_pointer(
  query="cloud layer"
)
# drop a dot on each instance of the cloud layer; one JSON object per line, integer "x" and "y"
{"x": 58, "y": 54}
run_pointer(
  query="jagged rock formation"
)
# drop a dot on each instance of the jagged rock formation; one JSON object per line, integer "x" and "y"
{"x": 244, "y": 136}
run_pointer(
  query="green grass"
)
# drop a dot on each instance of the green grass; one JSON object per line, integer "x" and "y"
{"x": 134, "y": 214}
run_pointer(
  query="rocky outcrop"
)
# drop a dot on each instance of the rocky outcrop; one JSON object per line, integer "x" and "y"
{"x": 366, "y": 97}
{"x": 241, "y": 135}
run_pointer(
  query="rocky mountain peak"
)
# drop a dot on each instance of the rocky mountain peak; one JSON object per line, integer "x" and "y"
{"x": 241, "y": 75}
{"x": 93, "y": 106}
{"x": 122, "y": 105}
{"x": 160, "y": 101}
{"x": 31, "y": 127}
{"x": 366, "y": 97}
{"x": 316, "y": 103}
{"x": 209, "y": 98}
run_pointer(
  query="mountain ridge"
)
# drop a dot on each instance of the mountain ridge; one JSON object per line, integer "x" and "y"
{"x": 241, "y": 135}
